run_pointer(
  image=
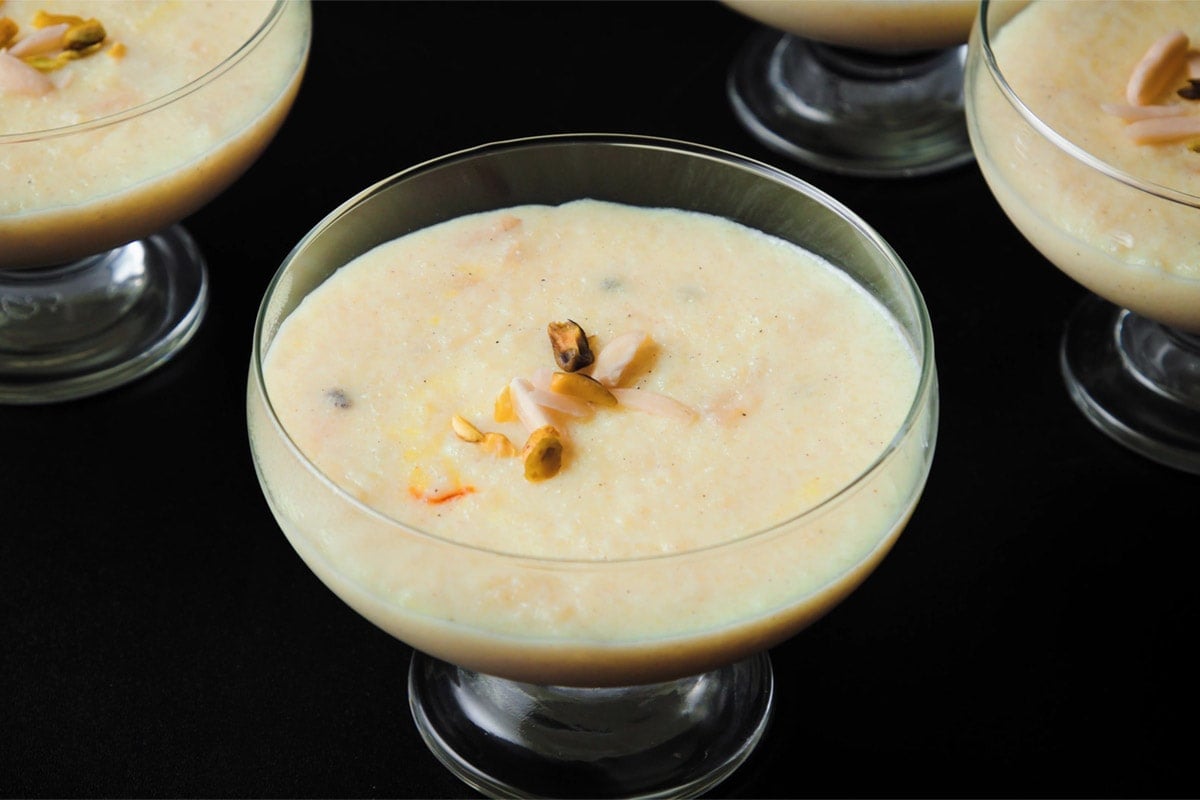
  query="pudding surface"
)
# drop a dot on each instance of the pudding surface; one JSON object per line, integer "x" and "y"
{"x": 666, "y": 544}
{"x": 880, "y": 25}
{"x": 796, "y": 380}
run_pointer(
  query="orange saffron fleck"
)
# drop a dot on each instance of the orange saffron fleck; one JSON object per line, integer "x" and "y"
{"x": 436, "y": 499}
{"x": 117, "y": 50}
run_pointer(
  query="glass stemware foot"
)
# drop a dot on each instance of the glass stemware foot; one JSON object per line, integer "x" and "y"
{"x": 80, "y": 328}
{"x": 851, "y": 111}
{"x": 1135, "y": 379}
{"x": 673, "y": 739}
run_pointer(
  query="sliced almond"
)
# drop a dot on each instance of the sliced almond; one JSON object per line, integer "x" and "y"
{"x": 1163, "y": 129}
{"x": 653, "y": 403}
{"x": 1133, "y": 113}
{"x": 46, "y": 40}
{"x": 1161, "y": 65}
{"x": 18, "y": 77}
{"x": 565, "y": 403}
{"x": 616, "y": 356}
{"x": 531, "y": 415}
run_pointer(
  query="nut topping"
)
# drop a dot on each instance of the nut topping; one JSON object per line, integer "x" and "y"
{"x": 571, "y": 349}
{"x": 585, "y": 387}
{"x": 83, "y": 35}
{"x": 465, "y": 430}
{"x": 8, "y": 31}
{"x": 1160, "y": 66}
{"x": 542, "y": 454}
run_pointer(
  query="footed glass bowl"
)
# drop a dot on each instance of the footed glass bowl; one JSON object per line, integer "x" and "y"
{"x": 1060, "y": 149}
{"x": 859, "y": 87}
{"x": 99, "y": 283}
{"x": 560, "y": 677}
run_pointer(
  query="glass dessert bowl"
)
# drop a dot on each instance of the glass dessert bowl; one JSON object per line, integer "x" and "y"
{"x": 859, "y": 87}
{"x": 1094, "y": 162}
{"x": 102, "y": 152}
{"x": 601, "y": 631}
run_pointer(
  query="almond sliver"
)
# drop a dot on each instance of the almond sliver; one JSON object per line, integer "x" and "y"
{"x": 557, "y": 401}
{"x": 653, "y": 403}
{"x": 1163, "y": 129}
{"x": 615, "y": 356}
{"x": 1132, "y": 113}
{"x": 19, "y": 78}
{"x": 531, "y": 415}
{"x": 43, "y": 41}
{"x": 1161, "y": 64}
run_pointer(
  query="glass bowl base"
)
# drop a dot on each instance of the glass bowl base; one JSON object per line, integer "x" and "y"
{"x": 1136, "y": 380}
{"x": 852, "y": 112}
{"x": 674, "y": 739}
{"x": 77, "y": 329}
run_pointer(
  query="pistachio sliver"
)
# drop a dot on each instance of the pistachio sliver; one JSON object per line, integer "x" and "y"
{"x": 584, "y": 387}
{"x": 83, "y": 35}
{"x": 542, "y": 454}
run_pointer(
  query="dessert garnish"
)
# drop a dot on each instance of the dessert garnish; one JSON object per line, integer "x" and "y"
{"x": 585, "y": 387}
{"x": 542, "y": 454}
{"x": 571, "y": 350}
{"x": 1157, "y": 69}
{"x": 57, "y": 40}
{"x": 573, "y": 393}
{"x": 1151, "y": 122}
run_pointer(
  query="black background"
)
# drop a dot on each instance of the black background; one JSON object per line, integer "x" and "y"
{"x": 1032, "y": 633}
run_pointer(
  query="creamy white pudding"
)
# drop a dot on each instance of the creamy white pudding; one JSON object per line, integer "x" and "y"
{"x": 881, "y": 25}
{"x": 669, "y": 541}
{"x": 141, "y": 132}
{"x": 1071, "y": 65}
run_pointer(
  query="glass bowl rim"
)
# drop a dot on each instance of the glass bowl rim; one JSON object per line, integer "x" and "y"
{"x": 988, "y": 55}
{"x": 924, "y": 398}
{"x": 237, "y": 56}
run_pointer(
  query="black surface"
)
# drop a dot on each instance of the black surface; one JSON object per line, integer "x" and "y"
{"x": 1032, "y": 633}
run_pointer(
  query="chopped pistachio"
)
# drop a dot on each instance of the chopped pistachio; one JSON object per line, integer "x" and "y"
{"x": 49, "y": 63}
{"x": 571, "y": 349}
{"x": 584, "y": 387}
{"x": 542, "y": 454}
{"x": 1191, "y": 91}
{"x": 83, "y": 35}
